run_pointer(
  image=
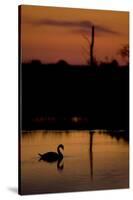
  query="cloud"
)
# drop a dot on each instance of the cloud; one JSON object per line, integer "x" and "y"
{"x": 75, "y": 26}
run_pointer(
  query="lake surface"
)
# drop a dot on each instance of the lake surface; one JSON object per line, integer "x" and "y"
{"x": 92, "y": 160}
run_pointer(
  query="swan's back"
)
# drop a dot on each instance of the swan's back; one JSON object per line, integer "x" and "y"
{"x": 50, "y": 156}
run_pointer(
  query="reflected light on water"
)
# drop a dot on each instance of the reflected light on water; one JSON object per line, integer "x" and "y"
{"x": 92, "y": 160}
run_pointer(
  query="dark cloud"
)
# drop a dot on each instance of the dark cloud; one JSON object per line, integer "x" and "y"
{"x": 73, "y": 24}
{"x": 76, "y": 26}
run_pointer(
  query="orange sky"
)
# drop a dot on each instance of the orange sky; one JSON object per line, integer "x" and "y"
{"x": 51, "y": 34}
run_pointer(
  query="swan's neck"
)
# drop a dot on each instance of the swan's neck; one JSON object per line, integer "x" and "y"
{"x": 59, "y": 152}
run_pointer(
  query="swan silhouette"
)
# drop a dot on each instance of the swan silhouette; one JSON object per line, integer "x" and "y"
{"x": 52, "y": 156}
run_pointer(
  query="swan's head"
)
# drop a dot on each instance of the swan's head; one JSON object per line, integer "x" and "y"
{"x": 61, "y": 146}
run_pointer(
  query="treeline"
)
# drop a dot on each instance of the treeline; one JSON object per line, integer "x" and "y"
{"x": 55, "y": 94}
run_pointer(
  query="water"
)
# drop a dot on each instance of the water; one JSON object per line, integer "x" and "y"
{"x": 92, "y": 161}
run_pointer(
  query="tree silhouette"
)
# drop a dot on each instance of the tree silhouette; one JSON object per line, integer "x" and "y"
{"x": 124, "y": 52}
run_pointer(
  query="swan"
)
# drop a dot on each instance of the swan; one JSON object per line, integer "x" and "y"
{"x": 52, "y": 156}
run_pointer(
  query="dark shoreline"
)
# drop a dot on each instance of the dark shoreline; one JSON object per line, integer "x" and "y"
{"x": 97, "y": 95}
{"x": 117, "y": 134}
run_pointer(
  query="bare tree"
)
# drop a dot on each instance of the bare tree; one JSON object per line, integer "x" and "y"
{"x": 89, "y": 50}
{"x": 85, "y": 48}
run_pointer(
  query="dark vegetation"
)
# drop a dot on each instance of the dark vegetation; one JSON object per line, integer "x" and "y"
{"x": 62, "y": 96}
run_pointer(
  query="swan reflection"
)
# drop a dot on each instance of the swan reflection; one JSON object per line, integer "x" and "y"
{"x": 60, "y": 165}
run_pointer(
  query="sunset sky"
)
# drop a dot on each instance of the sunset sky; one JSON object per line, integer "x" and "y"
{"x": 52, "y": 34}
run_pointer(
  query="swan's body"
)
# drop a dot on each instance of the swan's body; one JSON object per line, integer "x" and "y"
{"x": 52, "y": 156}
